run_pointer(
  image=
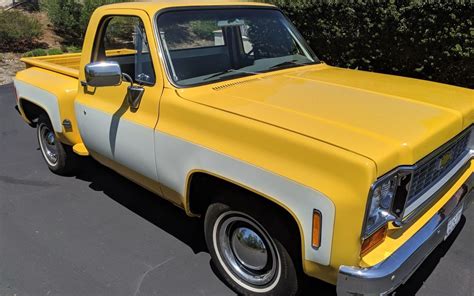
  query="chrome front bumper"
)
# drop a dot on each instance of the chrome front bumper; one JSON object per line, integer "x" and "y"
{"x": 386, "y": 276}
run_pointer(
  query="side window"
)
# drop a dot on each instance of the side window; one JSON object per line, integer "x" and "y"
{"x": 123, "y": 40}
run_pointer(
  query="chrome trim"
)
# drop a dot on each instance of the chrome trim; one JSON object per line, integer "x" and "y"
{"x": 47, "y": 142}
{"x": 67, "y": 124}
{"x": 99, "y": 74}
{"x": 254, "y": 262}
{"x": 249, "y": 248}
{"x": 439, "y": 151}
{"x": 386, "y": 276}
{"x": 412, "y": 210}
{"x": 391, "y": 217}
{"x": 419, "y": 204}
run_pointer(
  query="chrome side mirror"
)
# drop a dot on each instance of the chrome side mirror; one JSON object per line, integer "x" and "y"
{"x": 103, "y": 74}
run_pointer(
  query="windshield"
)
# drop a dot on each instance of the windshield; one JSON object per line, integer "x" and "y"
{"x": 209, "y": 45}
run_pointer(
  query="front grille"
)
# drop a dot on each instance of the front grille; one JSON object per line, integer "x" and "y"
{"x": 431, "y": 170}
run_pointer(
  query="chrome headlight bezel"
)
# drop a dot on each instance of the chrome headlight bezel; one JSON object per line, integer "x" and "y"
{"x": 402, "y": 176}
{"x": 387, "y": 200}
{"x": 470, "y": 142}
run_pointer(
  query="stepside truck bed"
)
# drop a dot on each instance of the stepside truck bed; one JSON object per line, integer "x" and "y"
{"x": 67, "y": 64}
{"x": 50, "y": 83}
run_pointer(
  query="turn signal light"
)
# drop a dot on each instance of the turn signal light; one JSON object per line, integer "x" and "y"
{"x": 374, "y": 240}
{"x": 316, "y": 241}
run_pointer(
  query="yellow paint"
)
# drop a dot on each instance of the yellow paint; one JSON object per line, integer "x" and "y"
{"x": 80, "y": 149}
{"x": 396, "y": 237}
{"x": 324, "y": 273}
{"x": 391, "y": 120}
{"x": 111, "y": 100}
{"x": 65, "y": 89}
{"x": 67, "y": 64}
{"x": 331, "y": 129}
{"x": 301, "y": 159}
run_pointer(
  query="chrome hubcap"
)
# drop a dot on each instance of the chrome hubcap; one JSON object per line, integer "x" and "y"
{"x": 246, "y": 249}
{"x": 48, "y": 144}
{"x": 249, "y": 248}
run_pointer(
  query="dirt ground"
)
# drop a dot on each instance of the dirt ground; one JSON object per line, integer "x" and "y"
{"x": 9, "y": 64}
{"x": 49, "y": 38}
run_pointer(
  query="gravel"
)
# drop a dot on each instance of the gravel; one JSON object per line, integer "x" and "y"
{"x": 9, "y": 64}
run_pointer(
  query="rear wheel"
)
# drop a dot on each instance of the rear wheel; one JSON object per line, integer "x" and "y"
{"x": 249, "y": 254}
{"x": 59, "y": 157}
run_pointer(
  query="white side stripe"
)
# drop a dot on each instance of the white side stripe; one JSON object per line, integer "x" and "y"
{"x": 116, "y": 138}
{"x": 176, "y": 158}
{"x": 42, "y": 98}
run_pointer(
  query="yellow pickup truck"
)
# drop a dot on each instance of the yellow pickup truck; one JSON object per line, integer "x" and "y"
{"x": 295, "y": 166}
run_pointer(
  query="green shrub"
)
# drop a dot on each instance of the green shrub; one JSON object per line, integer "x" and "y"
{"x": 35, "y": 53}
{"x": 42, "y": 52}
{"x": 70, "y": 17}
{"x": 204, "y": 29}
{"x": 429, "y": 40}
{"x": 17, "y": 30}
{"x": 89, "y": 7}
{"x": 72, "y": 49}
{"x": 54, "y": 51}
{"x": 64, "y": 16}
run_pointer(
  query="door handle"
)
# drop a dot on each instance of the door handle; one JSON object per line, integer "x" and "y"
{"x": 134, "y": 96}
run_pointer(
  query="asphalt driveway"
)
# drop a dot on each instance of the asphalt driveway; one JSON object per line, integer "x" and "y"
{"x": 96, "y": 233}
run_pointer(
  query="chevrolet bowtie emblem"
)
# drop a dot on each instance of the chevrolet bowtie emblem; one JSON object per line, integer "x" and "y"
{"x": 444, "y": 161}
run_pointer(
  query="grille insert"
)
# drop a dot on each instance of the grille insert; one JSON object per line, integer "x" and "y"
{"x": 431, "y": 171}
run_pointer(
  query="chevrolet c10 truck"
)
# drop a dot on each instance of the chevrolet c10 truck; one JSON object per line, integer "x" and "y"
{"x": 295, "y": 166}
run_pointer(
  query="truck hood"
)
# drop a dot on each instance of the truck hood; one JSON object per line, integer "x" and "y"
{"x": 391, "y": 120}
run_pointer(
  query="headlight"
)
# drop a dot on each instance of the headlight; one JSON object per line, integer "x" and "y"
{"x": 387, "y": 200}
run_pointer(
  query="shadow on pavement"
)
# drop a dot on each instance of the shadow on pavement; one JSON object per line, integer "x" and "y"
{"x": 142, "y": 202}
{"x": 190, "y": 230}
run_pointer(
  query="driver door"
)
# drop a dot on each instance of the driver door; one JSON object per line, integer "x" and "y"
{"x": 110, "y": 128}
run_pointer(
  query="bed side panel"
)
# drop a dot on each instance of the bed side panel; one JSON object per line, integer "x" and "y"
{"x": 55, "y": 93}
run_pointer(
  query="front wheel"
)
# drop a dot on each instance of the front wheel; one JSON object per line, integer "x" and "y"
{"x": 250, "y": 257}
{"x": 59, "y": 158}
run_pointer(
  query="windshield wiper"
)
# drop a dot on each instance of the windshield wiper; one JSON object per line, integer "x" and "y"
{"x": 229, "y": 71}
{"x": 289, "y": 63}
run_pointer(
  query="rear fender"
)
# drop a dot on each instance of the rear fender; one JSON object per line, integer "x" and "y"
{"x": 55, "y": 94}
{"x": 43, "y": 99}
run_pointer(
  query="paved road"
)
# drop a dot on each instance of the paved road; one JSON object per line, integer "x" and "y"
{"x": 98, "y": 234}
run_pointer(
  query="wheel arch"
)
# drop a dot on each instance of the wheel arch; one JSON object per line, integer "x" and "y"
{"x": 202, "y": 184}
{"x": 31, "y": 111}
{"x": 179, "y": 160}
{"x": 33, "y": 98}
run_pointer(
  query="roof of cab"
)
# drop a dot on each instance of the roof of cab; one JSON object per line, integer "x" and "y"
{"x": 154, "y": 6}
